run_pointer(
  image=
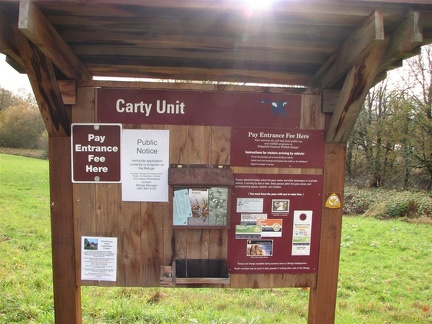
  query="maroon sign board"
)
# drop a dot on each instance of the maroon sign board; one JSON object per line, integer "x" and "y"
{"x": 96, "y": 152}
{"x": 275, "y": 223}
{"x": 212, "y": 108}
{"x": 279, "y": 148}
{"x": 275, "y": 218}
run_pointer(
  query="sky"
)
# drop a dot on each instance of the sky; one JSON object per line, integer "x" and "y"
{"x": 10, "y": 79}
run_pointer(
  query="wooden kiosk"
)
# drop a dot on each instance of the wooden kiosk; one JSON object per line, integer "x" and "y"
{"x": 228, "y": 178}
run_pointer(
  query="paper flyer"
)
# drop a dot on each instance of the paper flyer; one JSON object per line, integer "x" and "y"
{"x": 271, "y": 227}
{"x": 145, "y": 163}
{"x": 250, "y": 205}
{"x": 199, "y": 207}
{"x": 302, "y": 230}
{"x": 263, "y": 248}
{"x": 99, "y": 258}
{"x": 182, "y": 208}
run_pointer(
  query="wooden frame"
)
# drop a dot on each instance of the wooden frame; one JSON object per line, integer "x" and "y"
{"x": 60, "y": 61}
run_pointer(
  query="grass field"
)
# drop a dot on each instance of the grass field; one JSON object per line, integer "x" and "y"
{"x": 385, "y": 272}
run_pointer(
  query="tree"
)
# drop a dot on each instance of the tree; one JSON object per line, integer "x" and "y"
{"x": 391, "y": 144}
{"x": 417, "y": 90}
{"x": 371, "y": 137}
{"x": 21, "y": 127}
{"x": 6, "y": 99}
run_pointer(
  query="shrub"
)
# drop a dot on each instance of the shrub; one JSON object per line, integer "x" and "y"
{"x": 358, "y": 201}
{"x": 384, "y": 204}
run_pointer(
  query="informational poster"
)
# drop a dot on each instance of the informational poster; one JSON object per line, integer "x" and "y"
{"x": 145, "y": 164}
{"x": 200, "y": 206}
{"x": 302, "y": 232}
{"x": 95, "y": 152}
{"x": 275, "y": 223}
{"x": 280, "y": 148}
{"x": 99, "y": 258}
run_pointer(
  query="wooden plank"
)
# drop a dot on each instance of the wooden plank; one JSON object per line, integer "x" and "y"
{"x": 178, "y": 147}
{"x": 322, "y": 301}
{"x": 107, "y": 219}
{"x": 84, "y": 111}
{"x": 272, "y": 280}
{"x": 152, "y": 242}
{"x": 200, "y": 176}
{"x": 218, "y": 244}
{"x": 202, "y": 281}
{"x": 182, "y": 41}
{"x": 312, "y": 116}
{"x": 134, "y": 70}
{"x": 330, "y": 98}
{"x": 40, "y": 31}
{"x": 130, "y": 245}
{"x": 220, "y": 145}
{"x": 84, "y": 194}
{"x": 292, "y": 56}
{"x": 197, "y": 244}
{"x": 85, "y": 223}
{"x": 351, "y": 52}
{"x": 357, "y": 83}
{"x": 67, "y": 295}
{"x": 314, "y": 6}
{"x": 198, "y": 145}
{"x": 176, "y": 244}
{"x": 180, "y": 243}
{"x": 178, "y": 138}
{"x": 68, "y": 91}
{"x": 192, "y": 86}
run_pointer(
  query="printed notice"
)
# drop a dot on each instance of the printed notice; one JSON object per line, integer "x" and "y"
{"x": 145, "y": 163}
{"x": 99, "y": 258}
{"x": 302, "y": 230}
{"x": 271, "y": 227}
{"x": 182, "y": 208}
{"x": 250, "y": 205}
{"x": 259, "y": 248}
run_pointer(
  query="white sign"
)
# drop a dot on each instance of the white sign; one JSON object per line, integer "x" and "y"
{"x": 144, "y": 166}
{"x": 99, "y": 258}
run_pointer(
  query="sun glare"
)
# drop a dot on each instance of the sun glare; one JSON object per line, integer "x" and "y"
{"x": 258, "y": 4}
{"x": 255, "y": 6}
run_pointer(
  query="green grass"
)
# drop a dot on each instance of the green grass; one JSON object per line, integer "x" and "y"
{"x": 385, "y": 272}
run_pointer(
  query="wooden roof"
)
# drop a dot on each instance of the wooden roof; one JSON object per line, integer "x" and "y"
{"x": 310, "y": 43}
{"x": 338, "y": 47}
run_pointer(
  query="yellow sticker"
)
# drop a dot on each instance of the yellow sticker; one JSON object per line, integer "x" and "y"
{"x": 333, "y": 201}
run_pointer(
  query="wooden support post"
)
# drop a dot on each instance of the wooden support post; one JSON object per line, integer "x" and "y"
{"x": 322, "y": 301}
{"x": 67, "y": 295}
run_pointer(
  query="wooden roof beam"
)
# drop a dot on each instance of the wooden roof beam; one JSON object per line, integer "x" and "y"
{"x": 17, "y": 66}
{"x": 405, "y": 39}
{"x": 356, "y": 86}
{"x": 40, "y": 31}
{"x": 6, "y": 45}
{"x": 41, "y": 74}
{"x": 351, "y": 52}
